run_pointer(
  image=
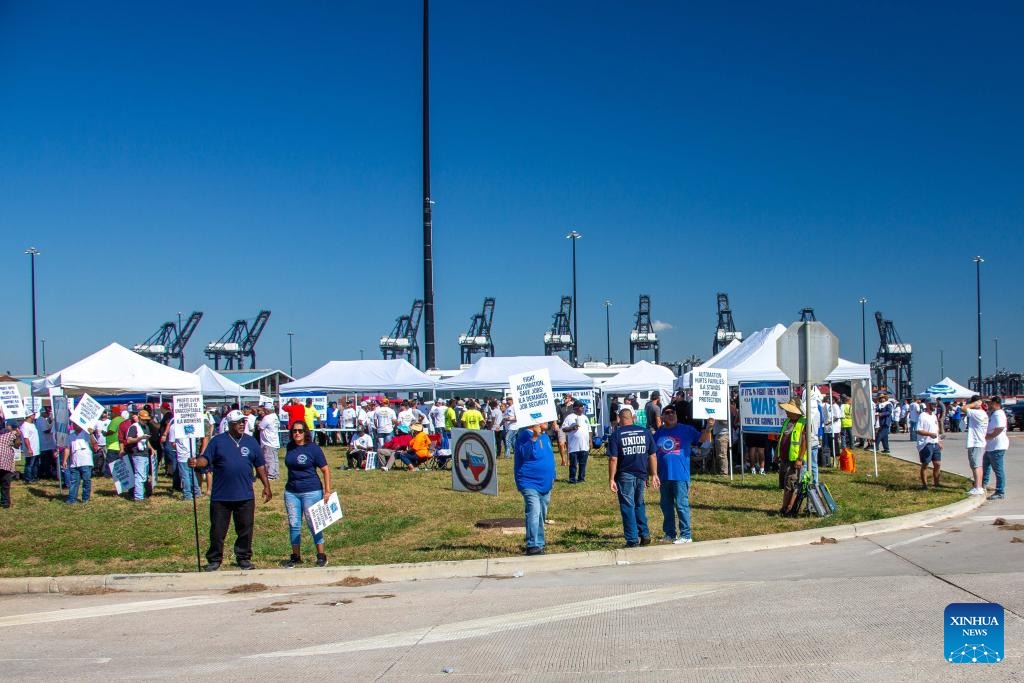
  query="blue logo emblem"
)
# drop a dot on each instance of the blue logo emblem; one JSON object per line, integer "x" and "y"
{"x": 536, "y": 415}
{"x": 973, "y": 633}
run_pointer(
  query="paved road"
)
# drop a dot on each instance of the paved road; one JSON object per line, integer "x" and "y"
{"x": 866, "y": 609}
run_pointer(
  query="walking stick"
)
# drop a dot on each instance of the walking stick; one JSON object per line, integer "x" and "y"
{"x": 195, "y": 511}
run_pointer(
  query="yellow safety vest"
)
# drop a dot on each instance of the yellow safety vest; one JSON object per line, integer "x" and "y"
{"x": 847, "y": 421}
{"x": 794, "y": 438}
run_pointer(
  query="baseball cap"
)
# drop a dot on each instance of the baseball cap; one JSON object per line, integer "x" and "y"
{"x": 235, "y": 416}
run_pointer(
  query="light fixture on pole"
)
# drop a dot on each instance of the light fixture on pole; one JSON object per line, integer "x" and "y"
{"x": 863, "y": 333}
{"x": 608, "y": 327}
{"x": 33, "y": 252}
{"x": 573, "y": 235}
{"x": 291, "y": 358}
{"x": 977, "y": 263}
{"x": 361, "y": 354}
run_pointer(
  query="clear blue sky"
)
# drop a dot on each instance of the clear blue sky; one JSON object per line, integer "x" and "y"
{"x": 233, "y": 156}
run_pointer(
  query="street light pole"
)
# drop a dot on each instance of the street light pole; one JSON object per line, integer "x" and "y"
{"x": 942, "y": 363}
{"x": 33, "y": 252}
{"x": 977, "y": 264}
{"x": 291, "y": 358}
{"x": 863, "y": 333}
{"x": 573, "y": 235}
{"x": 997, "y": 356}
{"x": 44, "y": 354}
{"x": 608, "y": 327}
{"x": 360, "y": 354}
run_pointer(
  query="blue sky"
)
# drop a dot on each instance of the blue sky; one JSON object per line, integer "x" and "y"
{"x": 257, "y": 155}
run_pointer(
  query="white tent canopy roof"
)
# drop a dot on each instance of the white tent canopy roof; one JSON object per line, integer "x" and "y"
{"x": 362, "y": 375}
{"x": 754, "y": 360}
{"x": 216, "y": 385}
{"x": 491, "y": 374}
{"x": 642, "y": 376}
{"x": 115, "y": 370}
{"x": 948, "y": 388}
{"x": 683, "y": 381}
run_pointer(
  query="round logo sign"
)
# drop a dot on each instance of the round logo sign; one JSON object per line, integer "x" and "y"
{"x": 473, "y": 462}
{"x": 301, "y": 458}
{"x": 245, "y": 451}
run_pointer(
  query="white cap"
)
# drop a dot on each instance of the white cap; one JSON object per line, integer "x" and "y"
{"x": 235, "y": 416}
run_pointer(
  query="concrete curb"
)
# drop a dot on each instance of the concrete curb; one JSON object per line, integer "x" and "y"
{"x": 499, "y": 566}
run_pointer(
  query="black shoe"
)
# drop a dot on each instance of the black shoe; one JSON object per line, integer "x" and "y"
{"x": 645, "y": 540}
{"x": 212, "y": 567}
{"x": 291, "y": 562}
{"x": 535, "y": 551}
{"x": 245, "y": 565}
{"x": 632, "y": 544}
{"x": 321, "y": 560}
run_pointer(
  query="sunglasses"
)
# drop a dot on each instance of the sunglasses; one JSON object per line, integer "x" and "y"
{"x": 298, "y": 431}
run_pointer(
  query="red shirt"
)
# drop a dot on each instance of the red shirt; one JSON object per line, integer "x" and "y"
{"x": 295, "y": 414}
{"x": 399, "y": 442}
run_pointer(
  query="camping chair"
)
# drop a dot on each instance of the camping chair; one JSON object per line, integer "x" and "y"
{"x": 441, "y": 457}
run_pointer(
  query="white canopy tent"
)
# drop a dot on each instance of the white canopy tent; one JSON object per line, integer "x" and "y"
{"x": 683, "y": 381}
{"x": 115, "y": 370}
{"x": 216, "y": 385}
{"x": 361, "y": 376}
{"x": 491, "y": 374}
{"x": 754, "y": 360}
{"x": 642, "y": 376}
{"x": 948, "y": 388}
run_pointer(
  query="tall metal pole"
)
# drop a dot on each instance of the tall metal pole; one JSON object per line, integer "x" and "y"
{"x": 33, "y": 252}
{"x": 977, "y": 263}
{"x": 573, "y": 235}
{"x": 43, "y": 341}
{"x": 608, "y": 327}
{"x": 863, "y": 333}
{"x": 996, "y": 340}
{"x": 291, "y": 358}
{"x": 428, "y": 258}
{"x": 942, "y": 363}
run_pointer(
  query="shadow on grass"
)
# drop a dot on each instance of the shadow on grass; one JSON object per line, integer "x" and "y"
{"x": 474, "y": 547}
{"x": 730, "y": 508}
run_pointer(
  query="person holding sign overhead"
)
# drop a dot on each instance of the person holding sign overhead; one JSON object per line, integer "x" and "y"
{"x": 535, "y": 475}
{"x": 302, "y": 459}
{"x": 232, "y": 457}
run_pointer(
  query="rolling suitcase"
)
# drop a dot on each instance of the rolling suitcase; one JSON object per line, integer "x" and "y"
{"x": 815, "y": 503}
{"x": 826, "y": 497}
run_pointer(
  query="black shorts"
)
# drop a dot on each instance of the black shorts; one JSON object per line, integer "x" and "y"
{"x": 755, "y": 440}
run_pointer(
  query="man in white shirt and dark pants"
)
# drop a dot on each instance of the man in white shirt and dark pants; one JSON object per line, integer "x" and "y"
{"x": 977, "y": 426}
{"x": 576, "y": 428}
{"x": 996, "y": 443}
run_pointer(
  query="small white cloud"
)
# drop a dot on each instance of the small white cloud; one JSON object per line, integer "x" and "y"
{"x": 661, "y": 326}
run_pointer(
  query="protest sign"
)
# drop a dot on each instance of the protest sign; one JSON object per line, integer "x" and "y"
{"x": 321, "y": 515}
{"x": 189, "y": 418}
{"x": 474, "y": 468}
{"x": 710, "y": 394}
{"x": 319, "y": 403}
{"x": 371, "y": 461}
{"x": 584, "y": 396}
{"x": 122, "y": 474}
{"x": 532, "y": 397}
{"x": 14, "y": 408}
{"x": 61, "y": 420}
{"x": 759, "y": 406}
{"x": 863, "y": 412}
{"x": 86, "y": 412}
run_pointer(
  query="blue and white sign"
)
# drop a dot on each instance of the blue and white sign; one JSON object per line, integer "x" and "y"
{"x": 973, "y": 633}
{"x": 759, "y": 406}
{"x": 532, "y": 398}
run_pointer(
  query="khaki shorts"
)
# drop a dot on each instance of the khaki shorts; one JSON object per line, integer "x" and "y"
{"x": 790, "y": 476}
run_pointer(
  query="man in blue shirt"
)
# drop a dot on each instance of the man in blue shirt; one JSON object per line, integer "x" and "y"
{"x": 674, "y": 441}
{"x": 232, "y": 457}
{"x": 534, "y": 467}
{"x": 630, "y": 462}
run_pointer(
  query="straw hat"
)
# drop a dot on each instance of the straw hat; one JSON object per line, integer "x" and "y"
{"x": 792, "y": 407}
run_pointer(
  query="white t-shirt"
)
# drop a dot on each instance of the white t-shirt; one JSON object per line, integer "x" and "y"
{"x": 45, "y": 429}
{"x": 174, "y": 434}
{"x": 927, "y": 423}
{"x": 250, "y": 424}
{"x": 510, "y": 418}
{"x": 1000, "y": 443}
{"x": 578, "y": 439}
{"x": 348, "y": 418}
{"x": 362, "y": 418}
{"x": 406, "y": 417}
{"x": 363, "y": 442}
{"x": 437, "y": 417}
{"x": 914, "y": 411}
{"x": 80, "y": 449}
{"x": 977, "y": 426}
{"x": 269, "y": 438}
{"x": 384, "y": 420}
{"x": 29, "y": 439}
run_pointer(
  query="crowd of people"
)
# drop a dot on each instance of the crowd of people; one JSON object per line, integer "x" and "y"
{"x": 648, "y": 446}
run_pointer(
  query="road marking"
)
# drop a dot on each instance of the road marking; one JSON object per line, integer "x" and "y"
{"x": 62, "y": 659}
{"x": 127, "y": 608}
{"x": 475, "y": 628}
{"x": 906, "y": 542}
{"x": 992, "y": 518}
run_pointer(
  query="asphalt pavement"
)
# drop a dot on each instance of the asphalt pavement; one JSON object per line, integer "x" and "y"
{"x": 868, "y": 608}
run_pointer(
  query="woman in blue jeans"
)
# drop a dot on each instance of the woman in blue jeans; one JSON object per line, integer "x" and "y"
{"x": 302, "y": 460}
{"x": 534, "y": 467}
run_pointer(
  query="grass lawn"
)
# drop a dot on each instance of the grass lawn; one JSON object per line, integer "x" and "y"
{"x": 402, "y": 516}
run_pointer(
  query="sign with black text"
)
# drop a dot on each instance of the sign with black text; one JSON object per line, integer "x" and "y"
{"x": 710, "y": 394}
{"x": 188, "y": 416}
{"x": 759, "y": 406}
{"x": 532, "y": 397}
{"x": 87, "y": 412}
{"x": 14, "y": 408}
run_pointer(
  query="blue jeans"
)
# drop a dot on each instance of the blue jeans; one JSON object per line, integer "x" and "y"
{"x": 882, "y": 437}
{"x": 510, "y": 441}
{"x": 814, "y": 464}
{"x": 913, "y": 429}
{"x": 140, "y": 463}
{"x": 536, "y": 511}
{"x": 631, "y": 505}
{"x": 578, "y": 466}
{"x": 296, "y": 504}
{"x": 994, "y": 462}
{"x": 189, "y": 481}
{"x": 675, "y": 500}
{"x": 83, "y": 475}
{"x": 31, "y": 472}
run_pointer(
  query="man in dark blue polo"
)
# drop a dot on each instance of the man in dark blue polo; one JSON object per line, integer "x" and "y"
{"x": 232, "y": 457}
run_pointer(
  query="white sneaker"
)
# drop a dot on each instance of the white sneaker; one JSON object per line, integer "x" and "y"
{"x": 976, "y": 492}
{"x": 680, "y": 541}
{"x": 762, "y": 469}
